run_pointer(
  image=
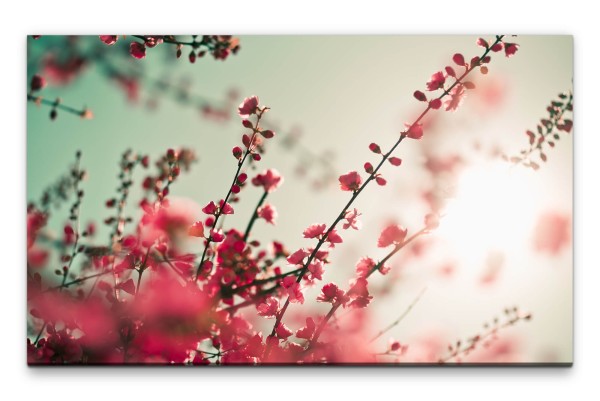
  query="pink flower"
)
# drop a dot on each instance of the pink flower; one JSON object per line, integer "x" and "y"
{"x": 435, "y": 104}
{"x": 436, "y": 81}
{"x": 283, "y": 331}
{"x": 314, "y": 231}
{"x": 384, "y": 269}
{"x": 127, "y": 286}
{"x": 458, "y": 59}
{"x": 415, "y": 131}
{"x": 364, "y": 267}
{"x": 210, "y": 208}
{"x": 248, "y": 106}
{"x": 268, "y": 308}
{"x": 350, "y": 181}
{"x": 37, "y": 82}
{"x": 457, "y": 95}
{"x": 334, "y": 238}
{"x": 307, "y": 331}
{"x": 316, "y": 269}
{"x": 359, "y": 293}
{"x": 225, "y": 207}
{"x": 331, "y": 293}
{"x": 217, "y": 235}
{"x": 268, "y": 213}
{"x": 137, "y": 50}
{"x": 269, "y": 179}
{"x": 352, "y": 220}
{"x": 196, "y": 229}
{"x": 297, "y": 257}
{"x": 392, "y": 234}
{"x": 510, "y": 49}
{"x": 293, "y": 289}
{"x": 552, "y": 233}
{"x": 420, "y": 96}
{"x": 109, "y": 39}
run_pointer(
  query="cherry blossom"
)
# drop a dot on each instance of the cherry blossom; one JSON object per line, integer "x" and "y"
{"x": 351, "y": 218}
{"x": 268, "y": 213}
{"x": 350, "y": 181}
{"x": 269, "y": 179}
{"x": 314, "y": 231}
{"x": 248, "y": 107}
{"x": 436, "y": 81}
{"x": 392, "y": 234}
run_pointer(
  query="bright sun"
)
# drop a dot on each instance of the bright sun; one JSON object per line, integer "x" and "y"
{"x": 493, "y": 210}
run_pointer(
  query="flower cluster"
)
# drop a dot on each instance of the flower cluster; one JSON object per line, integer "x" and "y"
{"x": 219, "y": 46}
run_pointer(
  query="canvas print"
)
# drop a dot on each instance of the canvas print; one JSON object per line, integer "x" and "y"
{"x": 299, "y": 200}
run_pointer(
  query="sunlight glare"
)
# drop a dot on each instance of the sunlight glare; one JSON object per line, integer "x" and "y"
{"x": 493, "y": 210}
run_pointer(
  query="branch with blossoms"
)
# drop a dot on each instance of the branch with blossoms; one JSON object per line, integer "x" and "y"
{"x": 251, "y": 143}
{"x": 548, "y": 131}
{"x": 461, "y": 349}
{"x": 38, "y": 83}
{"x": 219, "y": 46}
{"x": 352, "y": 181}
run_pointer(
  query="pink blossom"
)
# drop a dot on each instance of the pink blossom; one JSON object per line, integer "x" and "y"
{"x": 317, "y": 269}
{"x": 225, "y": 207}
{"x": 268, "y": 308}
{"x": 350, "y": 181}
{"x": 248, "y": 106}
{"x": 331, "y": 293}
{"x": 293, "y": 289}
{"x": 210, "y": 208}
{"x": 334, "y": 238}
{"x": 384, "y": 269}
{"x": 364, "y": 267}
{"x": 552, "y": 233}
{"x": 297, "y": 257}
{"x": 435, "y": 104}
{"x": 268, "y": 213}
{"x": 436, "y": 81}
{"x": 217, "y": 235}
{"x": 109, "y": 39}
{"x": 314, "y": 230}
{"x": 359, "y": 293}
{"x": 137, "y": 50}
{"x": 127, "y": 286}
{"x": 196, "y": 229}
{"x": 283, "y": 331}
{"x": 392, "y": 234}
{"x": 307, "y": 331}
{"x": 457, "y": 95}
{"x": 352, "y": 220}
{"x": 458, "y": 59}
{"x": 269, "y": 179}
{"x": 510, "y": 49}
{"x": 420, "y": 96}
{"x": 414, "y": 131}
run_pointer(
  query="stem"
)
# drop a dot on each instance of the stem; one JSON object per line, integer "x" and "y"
{"x": 402, "y": 316}
{"x": 249, "y": 149}
{"x": 57, "y": 105}
{"x": 254, "y": 215}
{"x": 369, "y": 179}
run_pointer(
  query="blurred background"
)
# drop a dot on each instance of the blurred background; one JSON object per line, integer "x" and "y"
{"x": 505, "y": 235}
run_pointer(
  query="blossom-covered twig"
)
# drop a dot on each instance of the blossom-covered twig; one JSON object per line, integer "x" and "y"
{"x": 414, "y": 131}
{"x": 248, "y": 108}
{"x": 548, "y": 131}
{"x": 512, "y": 317}
{"x": 401, "y": 317}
